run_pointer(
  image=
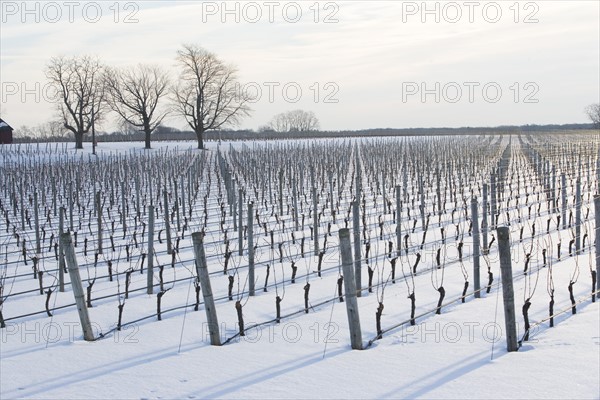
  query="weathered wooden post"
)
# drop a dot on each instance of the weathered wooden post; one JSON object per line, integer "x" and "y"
{"x": 234, "y": 205}
{"x": 250, "y": 251}
{"x": 597, "y": 229}
{"x": 124, "y": 209}
{"x": 398, "y": 222}
{"x": 295, "y": 203}
{"x": 315, "y": 211}
{"x": 356, "y": 232}
{"x": 383, "y": 192}
{"x": 99, "y": 216}
{"x": 315, "y": 221}
{"x": 240, "y": 224}
{"x": 167, "y": 224}
{"x": 61, "y": 251}
{"x": 494, "y": 199}
{"x": 476, "y": 248}
{"x": 150, "y": 271}
{"x": 84, "y": 317}
{"x": 563, "y": 194}
{"x": 38, "y": 243}
{"x": 71, "y": 206}
{"x": 507, "y": 288}
{"x": 578, "y": 217}
{"x": 438, "y": 191}
{"x": 422, "y": 200}
{"x": 177, "y": 213}
{"x": 351, "y": 291}
{"x": 281, "y": 191}
{"x": 209, "y": 304}
{"x": 484, "y": 220}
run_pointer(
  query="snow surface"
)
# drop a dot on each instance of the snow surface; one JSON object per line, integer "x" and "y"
{"x": 458, "y": 354}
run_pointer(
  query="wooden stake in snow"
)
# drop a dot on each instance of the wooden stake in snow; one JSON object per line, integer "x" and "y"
{"x": 349, "y": 285}
{"x": 209, "y": 304}
{"x": 597, "y": 229}
{"x": 494, "y": 207}
{"x": 84, "y": 318}
{"x": 150, "y": 272}
{"x": 507, "y": 288}
{"x": 99, "y": 212}
{"x": 240, "y": 225}
{"x": 578, "y": 216}
{"x": 476, "y": 251}
{"x": 61, "y": 251}
{"x": 484, "y": 219}
{"x": 563, "y": 193}
{"x": 251, "y": 280}
{"x": 167, "y": 225}
{"x": 398, "y": 222}
{"x": 38, "y": 244}
{"x": 356, "y": 230}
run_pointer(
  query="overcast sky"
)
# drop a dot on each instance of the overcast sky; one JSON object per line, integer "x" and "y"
{"x": 357, "y": 65}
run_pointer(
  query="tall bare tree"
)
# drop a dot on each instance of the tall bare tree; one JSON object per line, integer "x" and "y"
{"x": 593, "y": 113}
{"x": 207, "y": 93}
{"x": 80, "y": 98}
{"x": 134, "y": 94}
{"x": 295, "y": 121}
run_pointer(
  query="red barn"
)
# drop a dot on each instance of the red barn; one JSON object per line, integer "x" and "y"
{"x": 6, "y": 136}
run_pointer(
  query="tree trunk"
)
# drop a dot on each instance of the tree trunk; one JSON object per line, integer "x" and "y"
{"x": 200, "y": 137}
{"x": 147, "y": 140}
{"x": 79, "y": 140}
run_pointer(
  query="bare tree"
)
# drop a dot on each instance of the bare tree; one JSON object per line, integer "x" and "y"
{"x": 51, "y": 129}
{"x": 80, "y": 97}
{"x": 294, "y": 121}
{"x": 207, "y": 93}
{"x": 593, "y": 113}
{"x": 125, "y": 128}
{"x": 134, "y": 94}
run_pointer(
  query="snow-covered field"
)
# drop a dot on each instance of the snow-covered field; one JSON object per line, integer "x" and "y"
{"x": 460, "y": 353}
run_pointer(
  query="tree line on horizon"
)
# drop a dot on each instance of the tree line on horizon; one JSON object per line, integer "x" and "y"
{"x": 205, "y": 94}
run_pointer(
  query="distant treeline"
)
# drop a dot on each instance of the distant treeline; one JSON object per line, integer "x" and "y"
{"x": 163, "y": 133}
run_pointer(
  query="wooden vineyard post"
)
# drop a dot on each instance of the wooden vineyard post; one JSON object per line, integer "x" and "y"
{"x": 507, "y": 288}
{"x": 150, "y": 272}
{"x": 61, "y": 250}
{"x": 315, "y": 221}
{"x": 38, "y": 244}
{"x": 315, "y": 212}
{"x": 167, "y": 225}
{"x": 383, "y": 193}
{"x": 123, "y": 208}
{"x": 563, "y": 194}
{"x": 84, "y": 317}
{"x": 578, "y": 217}
{"x": 251, "y": 280}
{"x": 209, "y": 304}
{"x": 234, "y": 205}
{"x": 484, "y": 219}
{"x": 99, "y": 215}
{"x": 494, "y": 208}
{"x": 356, "y": 231}
{"x": 398, "y": 222}
{"x": 422, "y": 200}
{"x": 240, "y": 225}
{"x": 295, "y": 204}
{"x": 351, "y": 292}
{"x": 476, "y": 248}
{"x": 438, "y": 192}
{"x": 597, "y": 230}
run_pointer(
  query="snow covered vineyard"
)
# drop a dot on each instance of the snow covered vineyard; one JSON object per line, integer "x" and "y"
{"x": 422, "y": 214}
